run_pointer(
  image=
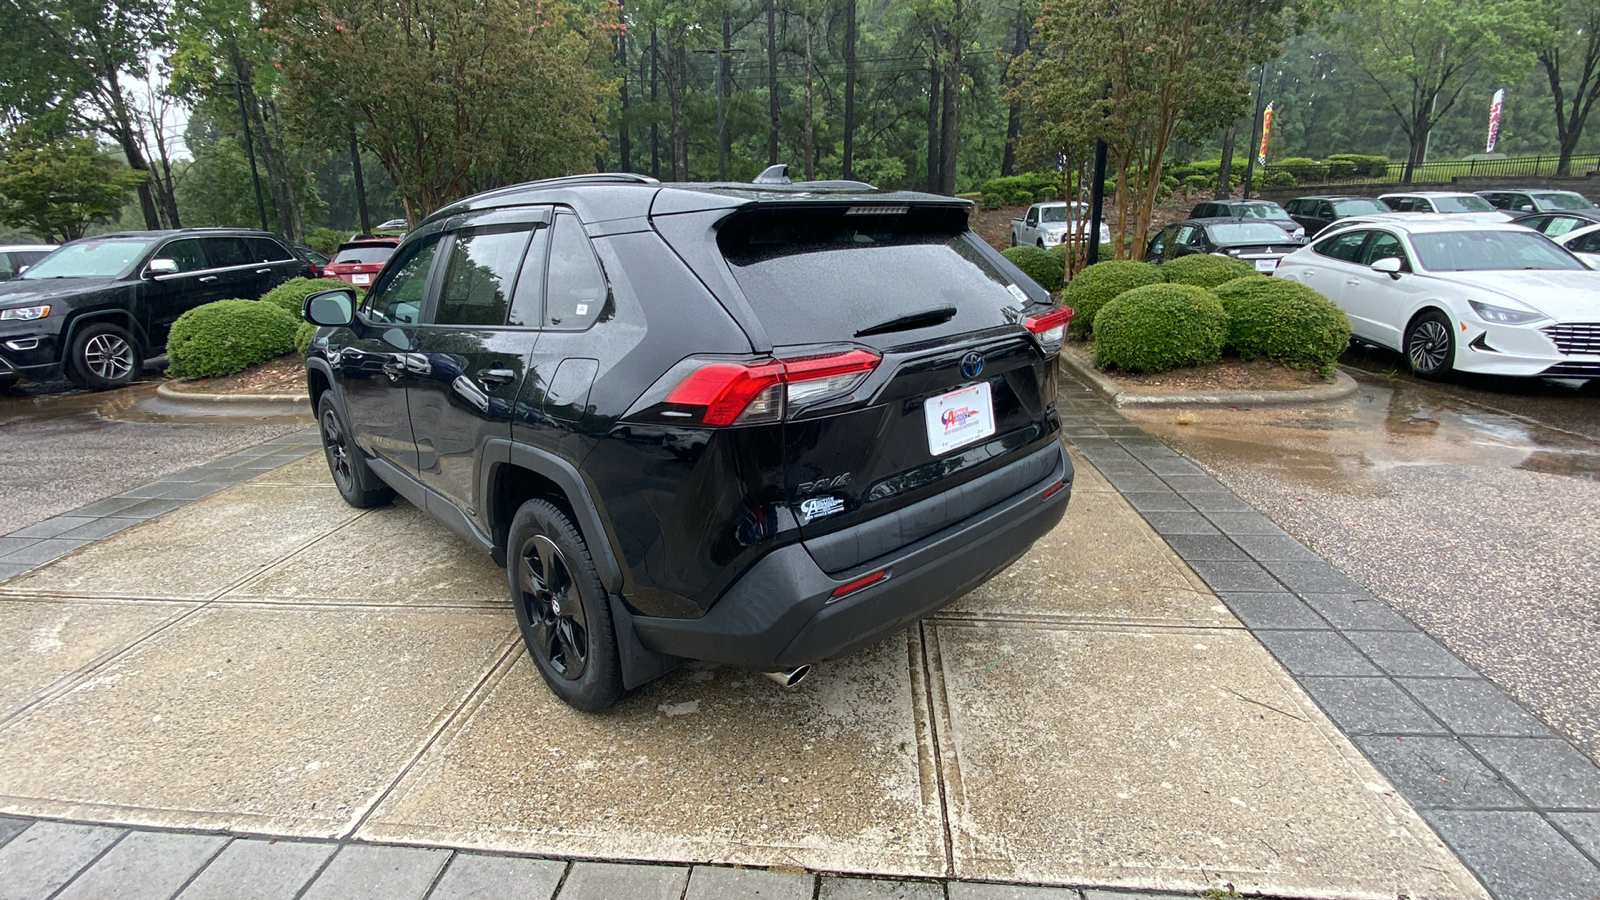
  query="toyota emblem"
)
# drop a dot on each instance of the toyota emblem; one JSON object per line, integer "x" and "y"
{"x": 972, "y": 365}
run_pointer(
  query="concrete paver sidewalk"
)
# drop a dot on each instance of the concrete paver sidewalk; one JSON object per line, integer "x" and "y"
{"x": 266, "y": 661}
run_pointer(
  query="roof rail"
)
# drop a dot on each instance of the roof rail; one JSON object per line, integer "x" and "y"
{"x": 591, "y": 178}
{"x": 837, "y": 184}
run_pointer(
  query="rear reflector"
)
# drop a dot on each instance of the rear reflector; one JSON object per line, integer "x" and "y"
{"x": 851, "y": 587}
{"x": 742, "y": 393}
{"x": 1052, "y": 490}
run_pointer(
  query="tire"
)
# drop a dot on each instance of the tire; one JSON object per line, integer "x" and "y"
{"x": 562, "y": 608}
{"x": 1041, "y": 243}
{"x": 103, "y": 356}
{"x": 357, "y": 483}
{"x": 1430, "y": 346}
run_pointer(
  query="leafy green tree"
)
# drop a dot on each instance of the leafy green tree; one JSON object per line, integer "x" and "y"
{"x": 1423, "y": 54}
{"x": 1573, "y": 49}
{"x": 57, "y": 186}
{"x": 452, "y": 96}
{"x": 1141, "y": 73}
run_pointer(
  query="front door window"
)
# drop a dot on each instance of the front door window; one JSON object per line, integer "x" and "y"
{"x": 398, "y": 295}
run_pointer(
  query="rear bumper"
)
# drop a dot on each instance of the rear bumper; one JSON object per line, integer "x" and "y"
{"x": 782, "y": 613}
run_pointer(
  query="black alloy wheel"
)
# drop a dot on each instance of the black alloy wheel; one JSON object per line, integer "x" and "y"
{"x": 562, "y": 608}
{"x": 357, "y": 483}
{"x": 1430, "y": 346}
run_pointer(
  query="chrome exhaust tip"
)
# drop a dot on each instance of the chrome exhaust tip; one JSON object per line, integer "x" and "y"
{"x": 789, "y": 677}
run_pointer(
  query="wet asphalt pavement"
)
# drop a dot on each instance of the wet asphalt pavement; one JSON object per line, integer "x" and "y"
{"x": 1470, "y": 507}
{"x": 61, "y": 448}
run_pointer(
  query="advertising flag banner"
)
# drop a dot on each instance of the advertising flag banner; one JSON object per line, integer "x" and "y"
{"x": 1266, "y": 131}
{"x": 1494, "y": 119}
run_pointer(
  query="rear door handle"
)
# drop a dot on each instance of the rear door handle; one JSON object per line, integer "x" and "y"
{"x": 1355, "y": 281}
{"x": 207, "y": 279}
{"x": 266, "y": 271}
{"x": 394, "y": 367}
{"x": 496, "y": 376}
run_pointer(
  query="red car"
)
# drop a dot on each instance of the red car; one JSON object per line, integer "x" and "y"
{"x": 357, "y": 262}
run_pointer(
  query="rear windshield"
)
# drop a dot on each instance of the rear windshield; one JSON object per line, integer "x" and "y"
{"x": 1248, "y": 233}
{"x": 1563, "y": 200}
{"x": 1480, "y": 251}
{"x": 1059, "y": 213}
{"x": 371, "y": 253}
{"x": 1262, "y": 210}
{"x": 821, "y": 274}
{"x": 1359, "y": 207}
{"x": 1465, "y": 203}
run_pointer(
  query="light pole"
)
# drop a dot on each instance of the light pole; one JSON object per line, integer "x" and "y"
{"x": 1255, "y": 133}
{"x": 250, "y": 150}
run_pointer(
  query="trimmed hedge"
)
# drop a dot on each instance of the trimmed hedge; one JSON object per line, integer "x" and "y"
{"x": 1284, "y": 321}
{"x": 303, "y": 335}
{"x": 1363, "y": 164}
{"x": 1021, "y": 190}
{"x": 1091, "y": 289}
{"x": 326, "y": 240}
{"x": 1204, "y": 270}
{"x": 291, "y": 295}
{"x": 1041, "y": 265}
{"x": 1160, "y": 327}
{"x": 227, "y": 336}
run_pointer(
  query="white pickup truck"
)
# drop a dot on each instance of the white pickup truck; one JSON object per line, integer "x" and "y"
{"x": 1045, "y": 224}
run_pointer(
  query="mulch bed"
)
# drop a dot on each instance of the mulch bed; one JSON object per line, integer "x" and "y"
{"x": 284, "y": 375}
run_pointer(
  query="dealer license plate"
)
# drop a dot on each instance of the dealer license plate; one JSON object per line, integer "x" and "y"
{"x": 959, "y": 418}
{"x": 1267, "y": 265}
{"x": 360, "y": 279}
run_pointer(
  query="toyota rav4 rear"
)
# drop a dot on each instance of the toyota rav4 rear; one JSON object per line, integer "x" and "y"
{"x": 789, "y": 422}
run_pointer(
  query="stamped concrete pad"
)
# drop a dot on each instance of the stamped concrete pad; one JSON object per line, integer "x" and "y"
{"x": 1103, "y": 563}
{"x": 395, "y": 554}
{"x": 710, "y": 765}
{"x": 199, "y": 549}
{"x": 1164, "y": 759}
{"x": 280, "y": 720}
{"x": 43, "y": 642}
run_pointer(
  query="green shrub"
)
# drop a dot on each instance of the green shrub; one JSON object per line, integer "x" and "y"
{"x": 992, "y": 202}
{"x": 1021, "y": 190}
{"x": 1160, "y": 327}
{"x": 1285, "y": 321}
{"x": 1304, "y": 170}
{"x": 326, "y": 240}
{"x": 227, "y": 336}
{"x": 1204, "y": 270}
{"x": 1278, "y": 179}
{"x": 1341, "y": 168}
{"x": 1041, "y": 265}
{"x": 1099, "y": 284}
{"x": 291, "y": 295}
{"x": 303, "y": 334}
{"x": 1370, "y": 166}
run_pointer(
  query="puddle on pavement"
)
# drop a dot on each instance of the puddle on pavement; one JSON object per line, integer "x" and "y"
{"x": 1386, "y": 425}
{"x": 138, "y": 402}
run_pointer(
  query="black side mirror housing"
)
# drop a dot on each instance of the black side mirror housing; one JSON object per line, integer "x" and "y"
{"x": 335, "y": 308}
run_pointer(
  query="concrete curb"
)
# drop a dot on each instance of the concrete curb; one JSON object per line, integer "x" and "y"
{"x": 293, "y": 403}
{"x": 1107, "y": 387}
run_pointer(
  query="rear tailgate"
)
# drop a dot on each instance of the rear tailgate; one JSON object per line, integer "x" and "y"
{"x": 963, "y": 389}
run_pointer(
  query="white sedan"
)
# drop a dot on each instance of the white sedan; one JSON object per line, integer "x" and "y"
{"x": 1584, "y": 244}
{"x": 1473, "y": 296}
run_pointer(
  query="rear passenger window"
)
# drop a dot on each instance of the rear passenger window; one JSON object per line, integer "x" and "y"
{"x": 1346, "y": 246}
{"x": 186, "y": 253}
{"x": 223, "y": 252}
{"x": 267, "y": 250}
{"x": 479, "y": 275}
{"x": 575, "y": 285}
{"x": 527, "y": 304}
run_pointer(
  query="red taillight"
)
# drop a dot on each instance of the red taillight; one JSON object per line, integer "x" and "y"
{"x": 737, "y": 393}
{"x": 1049, "y": 328}
{"x": 850, "y": 587}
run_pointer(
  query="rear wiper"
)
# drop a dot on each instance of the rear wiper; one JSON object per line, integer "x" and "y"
{"x": 914, "y": 320}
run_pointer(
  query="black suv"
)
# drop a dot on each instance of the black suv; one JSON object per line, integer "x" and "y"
{"x": 97, "y": 307}
{"x": 1248, "y": 209}
{"x": 763, "y": 425}
{"x": 1317, "y": 213}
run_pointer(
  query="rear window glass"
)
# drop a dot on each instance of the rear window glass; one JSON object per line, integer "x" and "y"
{"x": 821, "y": 274}
{"x": 371, "y": 253}
{"x": 1259, "y": 211}
{"x": 1467, "y": 203}
{"x": 1247, "y": 232}
{"x": 1358, "y": 207}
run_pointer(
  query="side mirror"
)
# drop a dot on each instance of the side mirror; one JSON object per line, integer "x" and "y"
{"x": 334, "y": 308}
{"x": 21, "y": 269}
{"x": 1390, "y": 266}
{"x": 162, "y": 267}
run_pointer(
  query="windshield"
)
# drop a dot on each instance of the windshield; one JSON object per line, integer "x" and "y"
{"x": 1562, "y": 200}
{"x": 1359, "y": 207}
{"x": 96, "y": 259}
{"x": 1467, "y": 203}
{"x": 1248, "y": 233}
{"x": 1483, "y": 251}
{"x": 369, "y": 253}
{"x": 1059, "y": 213}
{"x": 1259, "y": 211}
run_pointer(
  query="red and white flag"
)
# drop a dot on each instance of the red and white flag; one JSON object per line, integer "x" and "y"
{"x": 1494, "y": 119}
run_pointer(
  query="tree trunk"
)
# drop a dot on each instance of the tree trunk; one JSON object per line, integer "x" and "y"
{"x": 772, "y": 83}
{"x": 655, "y": 114}
{"x": 1008, "y": 157}
{"x": 934, "y": 179}
{"x": 122, "y": 131}
{"x": 1225, "y": 169}
{"x": 846, "y": 170}
{"x": 677, "y": 78}
{"x": 726, "y": 76}
{"x": 950, "y": 128}
{"x": 624, "y": 149}
{"x": 808, "y": 125}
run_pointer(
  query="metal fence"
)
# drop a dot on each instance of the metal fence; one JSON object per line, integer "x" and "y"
{"x": 1441, "y": 172}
